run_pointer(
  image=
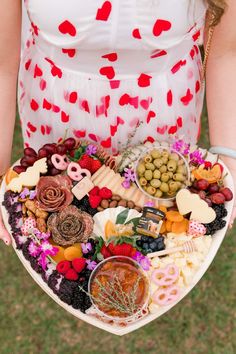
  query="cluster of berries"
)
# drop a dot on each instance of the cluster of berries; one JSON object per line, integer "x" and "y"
{"x": 124, "y": 249}
{"x": 96, "y": 195}
{"x": 71, "y": 269}
{"x": 89, "y": 163}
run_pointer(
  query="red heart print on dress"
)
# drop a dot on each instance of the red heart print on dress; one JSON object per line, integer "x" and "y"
{"x": 106, "y": 143}
{"x": 45, "y": 129}
{"x": 35, "y": 29}
{"x": 93, "y": 137}
{"x": 197, "y": 86}
{"x": 177, "y": 66}
{"x": 55, "y": 108}
{"x": 114, "y": 84}
{"x": 192, "y": 53}
{"x": 124, "y": 99}
{"x": 31, "y": 127}
{"x": 151, "y": 115}
{"x": 110, "y": 56}
{"x": 158, "y": 53}
{"x": 169, "y": 98}
{"x": 47, "y": 105}
{"x": 187, "y": 98}
{"x": 119, "y": 121}
{"x": 145, "y": 103}
{"x": 37, "y": 71}
{"x": 144, "y": 80}
{"x": 27, "y": 64}
{"x": 42, "y": 84}
{"x": 103, "y": 12}
{"x": 107, "y": 71}
{"x": 196, "y": 35}
{"x": 136, "y": 33}
{"x": 66, "y": 27}
{"x": 150, "y": 139}
{"x": 133, "y": 101}
{"x": 180, "y": 122}
{"x": 84, "y": 106}
{"x": 56, "y": 71}
{"x": 70, "y": 52}
{"x": 113, "y": 129}
{"x": 172, "y": 129}
{"x": 162, "y": 130}
{"x": 34, "y": 105}
{"x": 160, "y": 26}
{"x": 64, "y": 117}
{"x": 73, "y": 97}
{"x": 79, "y": 133}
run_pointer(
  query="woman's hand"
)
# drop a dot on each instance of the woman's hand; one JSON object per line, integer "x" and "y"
{"x": 4, "y": 235}
{"x": 231, "y": 164}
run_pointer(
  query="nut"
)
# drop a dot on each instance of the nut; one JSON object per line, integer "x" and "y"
{"x": 113, "y": 204}
{"x": 139, "y": 209}
{"x": 116, "y": 197}
{"x": 104, "y": 204}
{"x": 130, "y": 204}
{"x": 99, "y": 208}
{"x": 123, "y": 203}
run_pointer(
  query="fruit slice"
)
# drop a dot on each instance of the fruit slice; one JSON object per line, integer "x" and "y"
{"x": 179, "y": 227}
{"x": 60, "y": 255}
{"x": 212, "y": 175}
{"x": 110, "y": 230}
{"x": 72, "y": 252}
{"x": 174, "y": 216}
{"x": 10, "y": 175}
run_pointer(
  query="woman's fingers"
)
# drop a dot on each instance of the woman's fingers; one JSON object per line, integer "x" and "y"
{"x": 4, "y": 235}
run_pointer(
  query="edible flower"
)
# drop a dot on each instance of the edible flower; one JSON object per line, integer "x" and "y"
{"x": 91, "y": 150}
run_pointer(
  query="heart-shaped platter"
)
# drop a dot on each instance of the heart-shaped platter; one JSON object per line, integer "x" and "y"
{"x": 108, "y": 228}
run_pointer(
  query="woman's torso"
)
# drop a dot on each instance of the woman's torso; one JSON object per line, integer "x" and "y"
{"x": 103, "y": 50}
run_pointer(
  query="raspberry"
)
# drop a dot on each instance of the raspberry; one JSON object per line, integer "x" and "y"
{"x": 95, "y": 201}
{"x": 79, "y": 264}
{"x": 71, "y": 275}
{"x": 94, "y": 191}
{"x": 96, "y": 164}
{"x": 86, "y": 162}
{"x": 63, "y": 267}
{"x": 105, "y": 252}
{"x": 105, "y": 193}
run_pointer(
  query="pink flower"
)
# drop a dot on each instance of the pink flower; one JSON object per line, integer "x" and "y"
{"x": 126, "y": 184}
{"x": 91, "y": 265}
{"x": 86, "y": 247}
{"x": 47, "y": 249}
{"x": 34, "y": 250}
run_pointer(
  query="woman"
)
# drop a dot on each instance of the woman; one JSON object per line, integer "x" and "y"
{"x": 117, "y": 72}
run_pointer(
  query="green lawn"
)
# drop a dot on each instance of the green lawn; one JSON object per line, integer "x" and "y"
{"x": 31, "y": 323}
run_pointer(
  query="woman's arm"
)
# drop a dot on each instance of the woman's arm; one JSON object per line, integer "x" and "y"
{"x": 10, "y": 29}
{"x": 221, "y": 86}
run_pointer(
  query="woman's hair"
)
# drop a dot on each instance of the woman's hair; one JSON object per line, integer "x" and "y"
{"x": 217, "y": 7}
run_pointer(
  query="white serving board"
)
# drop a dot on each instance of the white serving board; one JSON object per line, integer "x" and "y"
{"x": 216, "y": 242}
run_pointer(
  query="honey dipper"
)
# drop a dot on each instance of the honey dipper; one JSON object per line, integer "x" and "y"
{"x": 187, "y": 247}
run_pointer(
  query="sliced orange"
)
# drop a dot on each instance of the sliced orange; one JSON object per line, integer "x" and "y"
{"x": 211, "y": 175}
{"x": 10, "y": 175}
{"x": 110, "y": 230}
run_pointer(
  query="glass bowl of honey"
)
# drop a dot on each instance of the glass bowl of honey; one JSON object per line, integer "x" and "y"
{"x": 119, "y": 289}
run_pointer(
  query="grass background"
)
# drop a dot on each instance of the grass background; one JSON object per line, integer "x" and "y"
{"x": 203, "y": 323}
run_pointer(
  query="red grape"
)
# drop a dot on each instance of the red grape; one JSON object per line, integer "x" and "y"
{"x": 70, "y": 143}
{"x": 217, "y": 198}
{"x": 51, "y": 148}
{"x": 213, "y": 188}
{"x": 19, "y": 169}
{"x": 54, "y": 171}
{"x": 43, "y": 153}
{"x": 61, "y": 149}
{"x": 202, "y": 195}
{"x": 202, "y": 184}
{"x": 24, "y": 162}
{"x": 30, "y": 152}
{"x": 227, "y": 193}
{"x": 49, "y": 162}
{"x": 209, "y": 202}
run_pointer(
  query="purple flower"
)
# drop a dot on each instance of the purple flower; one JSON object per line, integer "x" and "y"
{"x": 24, "y": 193}
{"x": 91, "y": 265}
{"x": 32, "y": 195}
{"x": 129, "y": 175}
{"x": 42, "y": 235}
{"x": 86, "y": 247}
{"x": 196, "y": 158}
{"x": 181, "y": 147}
{"x": 43, "y": 261}
{"x": 150, "y": 204}
{"x": 126, "y": 184}
{"x": 91, "y": 150}
{"x": 22, "y": 239}
{"x": 34, "y": 250}
{"x": 47, "y": 249}
{"x": 142, "y": 260}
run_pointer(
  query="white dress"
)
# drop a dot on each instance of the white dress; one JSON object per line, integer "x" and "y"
{"x": 115, "y": 72}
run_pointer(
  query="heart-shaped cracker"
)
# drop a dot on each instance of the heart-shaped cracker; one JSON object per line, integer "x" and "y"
{"x": 188, "y": 202}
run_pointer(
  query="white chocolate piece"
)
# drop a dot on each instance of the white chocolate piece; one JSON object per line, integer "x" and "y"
{"x": 99, "y": 178}
{"x": 114, "y": 182}
{"x": 98, "y": 172}
{"x": 82, "y": 188}
{"x": 200, "y": 211}
{"x": 105, "y": 181}
{"x": 30, "y": 177}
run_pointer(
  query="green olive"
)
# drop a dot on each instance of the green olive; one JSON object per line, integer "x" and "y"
{"x": 150, "y": 166}
{"x": 158, "y": 163}
{"x": 179, "y": 177}
{"x": 156, "y": 154}
{"x": 164, "y": 187}
{"x": 148, "y": 158}
{"x": 141, "y": 169}
{"x": 157, "y": 174}
{"x": 165, "y": 153}
{"x": 172, "y": 165}
{"x": 151, "y": 190}
{"x": 180, "y": 162}
{"x": 165, "y": 177}
{"x": 155, "y": 183}
{"x": 142, "y": 181}
{"x": 182, "y": 169}
{"x": 173, "y": 186}
{"x": 158, "y": 193}
{"x": 174, "y": 156}
{"x": 163, "y": 169}
{"x": 148, "y": 175}
{"x": 165, "y": 160}
{"x": 170, "y": 174}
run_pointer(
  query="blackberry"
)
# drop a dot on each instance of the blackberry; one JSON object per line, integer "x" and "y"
{"x": 214, "y": 226}
{"x": 53, "y": 279}
{"x": 86, "y": 274}
{"x": 78, "y": 299}
{"x": 25, "y": 250}
{"x": 35, "y": 265}
{"x": 221, "y": 211}
{"x": 84, "y": 205}
{"x": 139, "y": 243}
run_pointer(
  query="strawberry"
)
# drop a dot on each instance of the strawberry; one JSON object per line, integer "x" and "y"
{"x": 63, "y": 267}
{"x": 71, "y": 275}
{"x": 96, "y": 164}
{"x": 94, "y": 191}
{"x": 105, "y": 193}
{"x": 94, "y": 201}
{"x": 207, "y": 164}
{"x": 105, "y": 252}
{"x": 79, "y": 264}
{"x": 86, "y": 162}
{"x": 124, "y": 249}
